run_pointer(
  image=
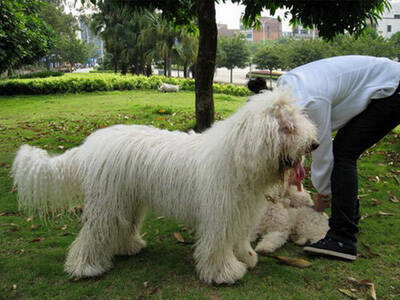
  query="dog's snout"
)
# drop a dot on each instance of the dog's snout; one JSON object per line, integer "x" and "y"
{"x": 314, "y": 145}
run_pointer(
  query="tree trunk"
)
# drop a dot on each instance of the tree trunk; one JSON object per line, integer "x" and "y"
{"x": 124, "y": 68}
{"x": 185, "y": 69}
{"x": 205, "y": 64}
{"x": 165, "y": 65}
{"x": 148, "y": 70}
{"x": 169, "y": 65}
{"x": 231, "y": 74}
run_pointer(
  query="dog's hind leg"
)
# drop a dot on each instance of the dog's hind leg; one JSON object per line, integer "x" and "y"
{"x": 130, "y": 242}
{"x": 91, "y": 253}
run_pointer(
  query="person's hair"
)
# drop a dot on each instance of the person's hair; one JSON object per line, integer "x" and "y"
{"x": 257, "y": 84}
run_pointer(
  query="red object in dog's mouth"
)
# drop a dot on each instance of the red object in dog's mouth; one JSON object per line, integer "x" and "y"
{"x": 300, "y": 174}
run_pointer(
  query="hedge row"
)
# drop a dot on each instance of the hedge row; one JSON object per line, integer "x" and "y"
{"x": 77, "y": 83}
{"x": 41, "y": 74}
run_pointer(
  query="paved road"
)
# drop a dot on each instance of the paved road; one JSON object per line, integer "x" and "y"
{"x": 83, "y": 70}
{"x": 221, "y": 75}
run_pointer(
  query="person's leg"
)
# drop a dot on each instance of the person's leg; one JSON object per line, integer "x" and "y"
{"x": 363, "y": 131}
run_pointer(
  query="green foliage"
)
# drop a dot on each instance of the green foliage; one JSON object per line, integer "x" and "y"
{"x": 67, "y": 47}
{"x": 42, "y": 74}
{"x": 349, "y": 16}
{"x": 289, "y": 54}
{"x": 134, "y": 38}
{"x": 78, "y": 83}
{"x": 395, "y": 40}
{"x": 329, "y": 17}
{"x": 304, "y": 51}
{"x": 24, "y": 36}
{"x": 269, "y": 58}
{"x": 234, "y": 52}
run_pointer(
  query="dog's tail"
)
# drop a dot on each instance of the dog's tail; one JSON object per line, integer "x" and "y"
{"x": 46, "y": 184}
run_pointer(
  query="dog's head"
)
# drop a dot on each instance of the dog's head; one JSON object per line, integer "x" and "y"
{"x": 273, "y": 134}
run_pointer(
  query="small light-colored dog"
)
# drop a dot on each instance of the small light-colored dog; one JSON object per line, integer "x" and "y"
{"x": 165, "y": 87}
{"x": 214, "y": 181}
{"x": 288, "y": 215}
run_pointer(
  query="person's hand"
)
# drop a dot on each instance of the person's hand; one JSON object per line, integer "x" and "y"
{"x": 322, "y": 202}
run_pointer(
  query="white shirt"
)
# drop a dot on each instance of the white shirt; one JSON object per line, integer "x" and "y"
{"x": 334, "y": 90}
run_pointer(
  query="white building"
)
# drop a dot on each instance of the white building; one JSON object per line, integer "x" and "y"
{"x": 390, "y": 23}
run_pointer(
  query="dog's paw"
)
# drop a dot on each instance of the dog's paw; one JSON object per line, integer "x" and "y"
{"x": 132, "y": 247}
{"x": 300, "y": 241}
{"x": 223, "y": 272}
{"x": 249, "y": 257}
{"x": 265, "y": 247}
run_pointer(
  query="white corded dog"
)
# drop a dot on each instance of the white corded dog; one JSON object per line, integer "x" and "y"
{"x": 214, "y": 181}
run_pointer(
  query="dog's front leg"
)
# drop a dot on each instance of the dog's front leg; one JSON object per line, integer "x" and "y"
{"x": 245, "y": 253}
{"x": 216, "y": 262}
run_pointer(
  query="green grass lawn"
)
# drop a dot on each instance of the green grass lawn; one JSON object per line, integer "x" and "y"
{"x": 32, "y": 253}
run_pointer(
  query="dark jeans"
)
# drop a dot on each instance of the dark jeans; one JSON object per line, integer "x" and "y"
{"x": 362, "y": 132}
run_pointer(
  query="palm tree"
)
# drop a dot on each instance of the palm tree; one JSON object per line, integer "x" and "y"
{"x": 186, "y": 49}
{"x": 163, "y": 35}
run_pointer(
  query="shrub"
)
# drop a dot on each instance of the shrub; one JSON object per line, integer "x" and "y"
{"x": 77, "y": 83}
{"x": 42, "y": 74}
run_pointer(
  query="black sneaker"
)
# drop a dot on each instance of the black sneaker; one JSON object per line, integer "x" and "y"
{"x": 331, "y": 247}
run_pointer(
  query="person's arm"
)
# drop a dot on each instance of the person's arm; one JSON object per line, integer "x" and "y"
{"x": 322, "y": 158}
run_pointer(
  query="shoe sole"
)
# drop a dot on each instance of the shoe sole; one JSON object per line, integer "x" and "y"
{"x": 330, "y": 253}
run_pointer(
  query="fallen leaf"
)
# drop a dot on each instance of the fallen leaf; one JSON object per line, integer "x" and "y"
{"x": 36, "y": 240}
{"x": 29, "y": 219}
{"x": 371, "y": 288}
{"x": 294, "y": 262}
{"x": 35, "y": 226}
{"x": 393, "y": 198}
{"x": 179, "y": 237}
{"x": 370, "y": 253}
{"x": 9, "y": 224}
{"x": 364, "y": 216}
{"x": 384, "y": 214}
{"x": 8, "y": 213}
{"x": 352, "y": 279}
{"x": 61, "y": 147}
{"x": 375, "y": 202}
{"x": 160, "y": 217}
{"x": 348, "y": 293}
{"x": 153, "y": 290}
{"x": 14, "y": 287}
{"x": 374, "y": 178}
{"x": 22, "y": 251}
{"x": 64, "y": 227}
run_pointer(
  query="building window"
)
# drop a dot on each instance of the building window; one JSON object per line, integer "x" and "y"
{"x": 249, "y": 36}
{"x": 397, "y": 16}
{"x": 389, "y": 28}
